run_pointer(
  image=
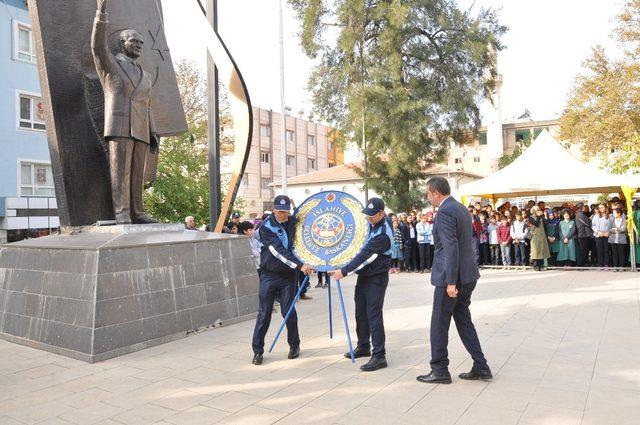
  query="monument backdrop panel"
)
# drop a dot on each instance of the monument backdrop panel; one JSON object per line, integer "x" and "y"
{"x": 74, "y": 100}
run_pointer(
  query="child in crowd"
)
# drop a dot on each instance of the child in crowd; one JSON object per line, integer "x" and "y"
{"x": 494, "y": 243}
{"x": 424, "y": 231}
{"x": 396, "y": 249}
{"x": 618, "y": 239}
{"x": 518, "y": 233}
{"x": 601, "y": 225}
{"x": 567, "y": 232}
{"x": 504, "y": 239}
{"x": 247, "y": 228}
{"x": 483, "y": 240}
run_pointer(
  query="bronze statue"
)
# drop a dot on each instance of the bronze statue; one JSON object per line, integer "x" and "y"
{"x": 129, "y": 126}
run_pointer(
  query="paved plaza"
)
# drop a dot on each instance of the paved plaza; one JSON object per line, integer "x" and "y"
{"x": 564, "y": 348}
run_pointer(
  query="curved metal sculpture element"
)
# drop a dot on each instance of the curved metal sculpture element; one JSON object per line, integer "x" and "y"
{"x": 230, "y": 76}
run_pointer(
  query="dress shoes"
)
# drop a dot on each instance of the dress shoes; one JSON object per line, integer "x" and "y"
{"x": 432, "y": 378}
{"x": 144, "y": 219}
{"x": 375, "y": 363}
{"x": 257, "y": 359}
{"x": 294, "y": 353}
{"x": 359, "y": 352}
{"x": 477, "y": 375}
{"x": 305, "y": 297}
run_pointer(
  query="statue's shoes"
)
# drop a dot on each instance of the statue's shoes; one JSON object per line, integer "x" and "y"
{"x": 123, "y": 218}
{"x": 144, "y": 219}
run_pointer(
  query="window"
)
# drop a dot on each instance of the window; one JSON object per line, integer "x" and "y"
{"x": 23, "y": 44}
{"x": 290, "y": 136}
{"x": 458, "y": 160}
{"x": 311, "y": 163}
{"x": 331, "y": 164}
{"x": 523, "y": 136}
{"x": 264, "y": 157}
{"x": 291, "y": 160}
{"x": 482, "y": 138}
{"x": 331, "y": 146}
{"x": 265, "y": 131}
{"x": 36, "y": 179}
{"x": 245, "y": 180}
{"x": 265, "y": 183}
{"x": 476, "y": 159}
{"x": 30, "y": 112}
{"x": 311, "y": 140}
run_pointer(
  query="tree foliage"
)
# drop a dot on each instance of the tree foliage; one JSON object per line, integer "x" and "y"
{"x": 414, "y": 69}
{"x": 603, "y": 109}
{"x": 182, "y": 185}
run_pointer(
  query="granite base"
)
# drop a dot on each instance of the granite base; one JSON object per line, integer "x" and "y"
{"x": 94, "y": 296}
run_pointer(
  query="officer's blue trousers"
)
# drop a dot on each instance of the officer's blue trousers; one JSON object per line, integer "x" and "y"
{"x": 444, "y": 308}
{"x": 369, "y": 298}
{"x": 271, "y": 285}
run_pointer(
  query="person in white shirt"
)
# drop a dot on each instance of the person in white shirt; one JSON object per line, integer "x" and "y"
{"x": 518, "y": 234}
{"x": 424, "y": 230}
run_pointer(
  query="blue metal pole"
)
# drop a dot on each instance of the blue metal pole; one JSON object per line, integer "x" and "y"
{"x": 305, "y": 282}
{"x": 330, "y": 307}
{"x": 346, "y": 322}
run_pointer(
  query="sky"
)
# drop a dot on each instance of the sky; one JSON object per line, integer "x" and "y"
{"x": 546, "y": 44}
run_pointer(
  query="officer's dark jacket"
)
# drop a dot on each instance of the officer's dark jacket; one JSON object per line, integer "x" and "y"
{"x": 379, "y": 243}
{"x": 274, "y": 235}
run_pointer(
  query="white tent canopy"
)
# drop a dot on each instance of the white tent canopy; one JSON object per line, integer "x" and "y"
{"x": 547, "y": 168}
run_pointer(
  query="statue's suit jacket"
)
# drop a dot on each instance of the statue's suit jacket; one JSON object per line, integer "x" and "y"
{"x": 127, "y": 98}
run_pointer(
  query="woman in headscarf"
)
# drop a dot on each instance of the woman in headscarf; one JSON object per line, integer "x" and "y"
{"x": 567, "y": 233}
{"x": 539, "y": 243}
{"x": 551, "y": 227}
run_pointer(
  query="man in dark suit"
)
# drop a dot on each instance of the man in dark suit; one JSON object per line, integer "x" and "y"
{"x": 129, "y": 127}
{"x": 454, "y": 274}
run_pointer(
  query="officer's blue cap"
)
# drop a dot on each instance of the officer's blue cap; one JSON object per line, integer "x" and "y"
{"x": 282, "y": 203}
{"x": 374, "y": 206}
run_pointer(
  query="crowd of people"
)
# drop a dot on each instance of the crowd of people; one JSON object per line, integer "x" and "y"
{"x": 566, "y": 236}
{"x": 578, "y": 235}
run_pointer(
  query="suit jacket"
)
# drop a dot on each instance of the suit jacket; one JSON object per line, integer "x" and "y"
{"x": 127, "y": 89}
{"x": 454, "y": 259}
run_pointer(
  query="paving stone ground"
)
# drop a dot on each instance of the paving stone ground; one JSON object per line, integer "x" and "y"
{"x": 564, "y": 348}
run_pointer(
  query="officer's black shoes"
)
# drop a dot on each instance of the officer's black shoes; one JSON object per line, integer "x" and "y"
{"x": 305, "y": 297}
{"x": 359, "y": 352}
{"x": 257, "y": 359}
{"x": 484, "y": 375}
{"x": 375, "y": 363}
{"x": 294, "y": 353}
{"x": 432, "y": 378}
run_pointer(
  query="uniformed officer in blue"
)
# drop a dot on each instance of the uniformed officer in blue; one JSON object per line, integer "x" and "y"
{"x": 372, "y": 265}
{"x": 278, "y": 268}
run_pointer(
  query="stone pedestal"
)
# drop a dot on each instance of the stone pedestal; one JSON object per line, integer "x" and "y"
{"x": 98, "y": 295}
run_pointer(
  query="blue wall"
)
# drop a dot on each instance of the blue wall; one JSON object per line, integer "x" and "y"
{"x": 15, "y": 75}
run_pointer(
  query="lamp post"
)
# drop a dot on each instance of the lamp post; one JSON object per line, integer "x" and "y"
{"x": 283, "y": 117}
{"x": 213, "y": 125}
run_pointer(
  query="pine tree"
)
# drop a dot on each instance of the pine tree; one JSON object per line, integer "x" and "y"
{"x": 414, "y": 70}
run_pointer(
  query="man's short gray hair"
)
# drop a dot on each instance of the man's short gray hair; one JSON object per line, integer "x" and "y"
{"x": 126, "y": 34}
{"x": 439, "y": 184}
{"x": 189, "y": 218}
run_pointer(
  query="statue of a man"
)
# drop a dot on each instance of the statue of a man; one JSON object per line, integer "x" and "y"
{"x": 129, "y": 127}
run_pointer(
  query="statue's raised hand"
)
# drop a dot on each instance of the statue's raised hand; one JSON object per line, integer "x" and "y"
{"x": 102, "y": 6}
